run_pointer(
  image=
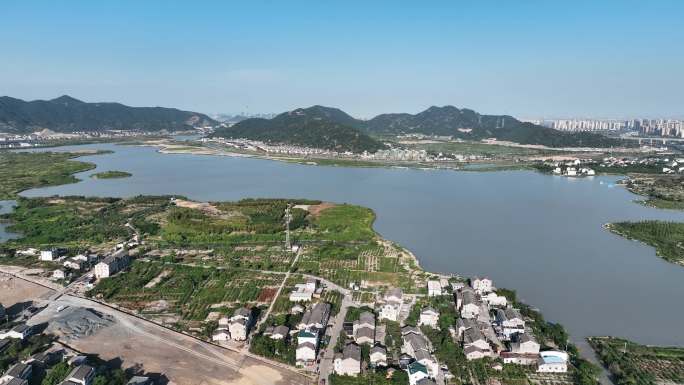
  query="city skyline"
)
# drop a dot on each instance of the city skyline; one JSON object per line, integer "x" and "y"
{"x": 528, "y": 59}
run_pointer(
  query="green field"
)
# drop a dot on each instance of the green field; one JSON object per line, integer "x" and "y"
{"x": 666, "y": 237}
{"x": 78, "y": 222}
{"x": 189, "y": 292}
{"x": 662, "y": 204}
{"x": 634, "y": 364}
{"x": 20, "y": 171}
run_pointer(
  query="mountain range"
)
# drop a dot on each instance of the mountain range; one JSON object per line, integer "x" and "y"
{"x": 317, "y": 126}
{"x": 67, "y": 114}
{"x": 332, "y": 128}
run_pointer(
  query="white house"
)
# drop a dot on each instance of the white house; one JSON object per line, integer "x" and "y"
{"x": 552, "y": 362}
{"x": 511, "y": 321}
{"x": 389, "y": 311}
{"x": 434, "y": 288}
{"x": 364, "y": 335}
{"x": 470, "y": 306}
{"x": 58, "y": 274}
{"x": 474, "y": 337}
{"x": 48, "y": 255}
{"x": 525, "y": 344}
{"x": 306, "y": 352}
{"x": 18, "y": 332}
{"x": 310, "y": 336}
{"x": 492, "y": 299}
{"x": 364, "y": 328}
{"x": 112, "y": 264}
{"x": 307, "y": 346}
{"x": 481, "y": 285}
{"x": 304, "y": 292}
{"x": 221, "y": 334}
{"x": 378, "y": 356}
{"x": 82, "y": 374}
{"x": 240, "y": 323}
{"x": 30, "y": 252}
{"x": 280, "y": 332}
{"x": 413, "y": 343}
{"x": 475, "y": 353}
{"x": 74, "y": 264}
{"x": 429, "y": 317}
{"x": 348, "y": 363}
{"x": 238, "y": 330}
{"x": 429, "y": 361}
{"x": 315, "y": 317}
{"x": 17, "y": 374}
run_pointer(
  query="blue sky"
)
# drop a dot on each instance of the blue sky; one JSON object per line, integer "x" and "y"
{"x": 525, "y": 58}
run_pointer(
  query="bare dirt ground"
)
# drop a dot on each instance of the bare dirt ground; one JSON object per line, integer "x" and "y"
{"x": 15, "y": 290}
{"x": 182, "y": 359}
{"x": 315, "y": 210}
{"x": 202, "y": 206}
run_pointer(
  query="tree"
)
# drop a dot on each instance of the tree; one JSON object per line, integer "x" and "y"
{"x": 57, "y": 374}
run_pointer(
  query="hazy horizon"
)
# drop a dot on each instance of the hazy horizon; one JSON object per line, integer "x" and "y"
{"x": 529, "y": 59}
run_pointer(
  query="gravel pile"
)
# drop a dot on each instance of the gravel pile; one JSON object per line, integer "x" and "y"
{"x": 77, "y": 322}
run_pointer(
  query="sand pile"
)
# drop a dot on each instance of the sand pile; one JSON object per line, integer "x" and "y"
{"x": 77, "y": 322}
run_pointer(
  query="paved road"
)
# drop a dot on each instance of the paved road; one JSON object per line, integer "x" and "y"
{"x": 326, "y": 365}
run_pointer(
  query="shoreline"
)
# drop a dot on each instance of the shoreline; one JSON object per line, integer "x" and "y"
{"x": 180, "y": 149}
{"x": 408, "y": 252}
{"x": 609, "y": 226}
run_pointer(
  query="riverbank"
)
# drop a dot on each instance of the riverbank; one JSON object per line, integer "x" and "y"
{"x": 487, "y": 165}
{"x": 666, "y": 237}
{"x": 634, "y": 364}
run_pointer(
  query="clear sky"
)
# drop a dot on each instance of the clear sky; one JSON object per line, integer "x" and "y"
{"x": 530, "y": 59}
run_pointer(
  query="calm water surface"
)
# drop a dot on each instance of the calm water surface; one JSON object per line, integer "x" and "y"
{"x": 6, "y": 207}
{"x": 538, "y": 234}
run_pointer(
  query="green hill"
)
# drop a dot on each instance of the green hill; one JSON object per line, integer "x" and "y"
{"x": 468, "y": 124}
{"x": 317, "y": 126}
{"x": 66, "y": 114}
{"x": 331, "y": 128}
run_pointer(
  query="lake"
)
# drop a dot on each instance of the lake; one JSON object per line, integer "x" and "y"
{"x": 5, "y": 208}
{"x": 538, "y": 234}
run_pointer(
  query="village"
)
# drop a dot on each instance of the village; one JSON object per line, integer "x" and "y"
{"x": 350, "y": 342}
{"x": 372, "y": 315}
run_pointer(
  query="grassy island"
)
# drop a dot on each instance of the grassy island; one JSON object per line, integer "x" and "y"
{"x": 20, "y": 171}
{"x": 633, "y": 364}
{"x": 111, "y": 175}
{"x": 666, "y": 237}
